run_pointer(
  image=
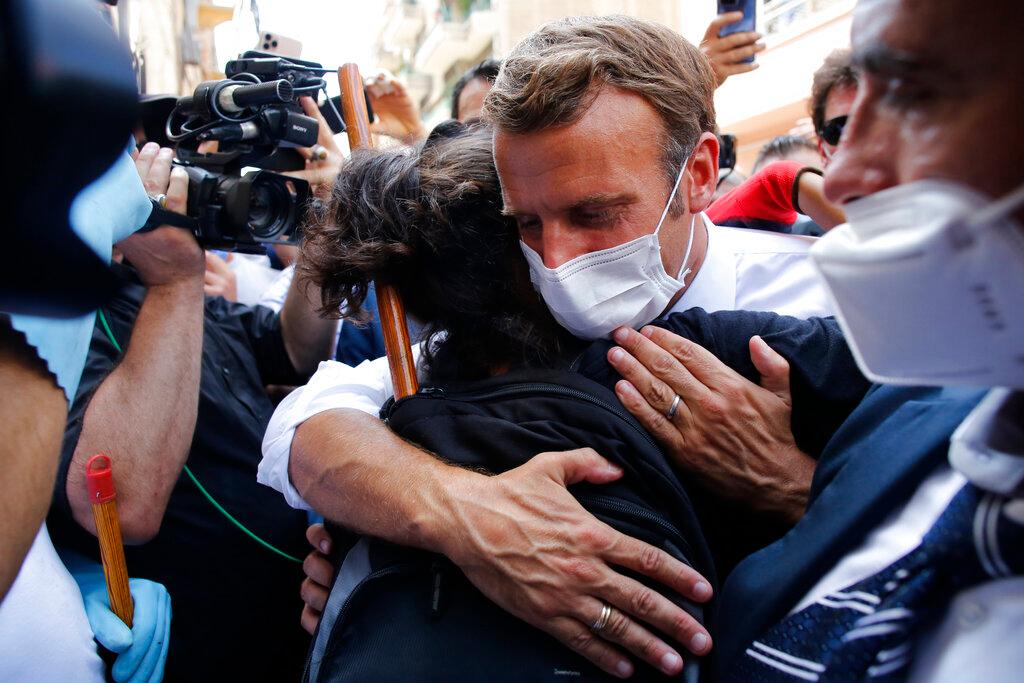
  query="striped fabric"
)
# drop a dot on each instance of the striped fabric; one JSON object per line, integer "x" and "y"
{"x": 866, "y": 631}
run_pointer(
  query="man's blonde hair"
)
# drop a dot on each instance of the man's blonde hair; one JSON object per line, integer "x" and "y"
{"x": 552, "y": 77}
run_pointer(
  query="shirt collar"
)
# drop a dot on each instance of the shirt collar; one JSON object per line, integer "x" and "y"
{"x": 988, "y": 447}
{"x": 713, "y": 287}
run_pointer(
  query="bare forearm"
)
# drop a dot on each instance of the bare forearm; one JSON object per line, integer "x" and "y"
{"x": 32, "y": 425}
{"x": 144, "y": 412}
{"x": 814, "y": 204}
{"x": 307, "y": 336}
{"x": 352, "y": 469}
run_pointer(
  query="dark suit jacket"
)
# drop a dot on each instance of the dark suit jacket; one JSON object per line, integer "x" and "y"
{"x": 875, "y": 461}
{"x": 827, "y": 386}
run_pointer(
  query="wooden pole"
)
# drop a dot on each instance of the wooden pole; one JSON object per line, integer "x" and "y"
{"x": 100, "y": 481}
{"x": 389, "y": 303}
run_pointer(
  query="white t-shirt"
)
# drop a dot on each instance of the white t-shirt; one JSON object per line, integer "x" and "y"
{"x": 277, "y": 291}
{"x": 750, "y": 270}
{"x": 46, "y": 637}
{"x": 253, "y": 277}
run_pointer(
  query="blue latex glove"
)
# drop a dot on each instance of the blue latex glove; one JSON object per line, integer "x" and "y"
{"x": 142, "y": 650}
{"x": 106, "y": 211}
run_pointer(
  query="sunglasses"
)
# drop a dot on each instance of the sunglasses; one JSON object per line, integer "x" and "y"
{"x": 833, "y": 130}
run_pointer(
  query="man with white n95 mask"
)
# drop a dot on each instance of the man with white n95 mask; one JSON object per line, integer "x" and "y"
{"x": 909, "y": 563}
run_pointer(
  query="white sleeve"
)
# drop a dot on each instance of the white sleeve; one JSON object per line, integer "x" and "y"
{"x": 978, "y": 639}
{"x": 274, "y": 295}
{"x": 364, "y": 387}
{"x": 253, "y": 275}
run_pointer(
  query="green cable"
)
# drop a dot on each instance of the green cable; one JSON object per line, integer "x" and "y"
{"x": 214, "y": 503}
{"x": 202, "y": 489}
{"x": 110, "y": 333}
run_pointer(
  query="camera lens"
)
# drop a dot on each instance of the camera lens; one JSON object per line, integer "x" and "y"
{"x": 270, "y": 206}
{"x": 240, "y": 212}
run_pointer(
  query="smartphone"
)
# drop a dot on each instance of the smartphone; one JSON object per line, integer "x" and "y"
{"x": 278, "y": 44}
{"x": 747, "y": 23}
{"x": 331, "y": 112}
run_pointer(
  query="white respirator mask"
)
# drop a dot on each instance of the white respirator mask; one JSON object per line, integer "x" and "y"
{"x": 594, "y": 294}
{"x": 927, "y": 280}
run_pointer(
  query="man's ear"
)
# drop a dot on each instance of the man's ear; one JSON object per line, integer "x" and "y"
{"x": 703, "y": 172}
{"x": 821, "y": 153}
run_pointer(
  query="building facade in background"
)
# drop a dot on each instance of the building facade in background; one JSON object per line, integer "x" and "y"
{"x": 430, "y": 43}
{"x": 171, "y": 42}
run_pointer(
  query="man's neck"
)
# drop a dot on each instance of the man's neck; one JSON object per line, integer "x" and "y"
{"x": 694, "y": 262}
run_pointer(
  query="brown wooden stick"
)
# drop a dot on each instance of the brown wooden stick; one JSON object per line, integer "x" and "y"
{"x": 389, "y": 303}
{"x": 99, "y": 479}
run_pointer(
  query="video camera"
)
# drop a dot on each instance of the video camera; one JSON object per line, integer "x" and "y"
{"x": 253, "y": 116}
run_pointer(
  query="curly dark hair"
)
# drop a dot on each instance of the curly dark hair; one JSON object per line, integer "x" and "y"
{"x": 429, "y": 222}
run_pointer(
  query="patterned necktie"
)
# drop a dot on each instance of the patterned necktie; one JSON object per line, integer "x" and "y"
{"x": 866, "y": 631}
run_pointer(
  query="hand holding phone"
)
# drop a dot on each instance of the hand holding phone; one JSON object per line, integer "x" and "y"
{"x": 730, "y": 41}
{"x": 746, "y": 23}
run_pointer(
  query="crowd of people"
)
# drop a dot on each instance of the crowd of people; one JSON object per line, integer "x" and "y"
{"x": 768, "y": 429}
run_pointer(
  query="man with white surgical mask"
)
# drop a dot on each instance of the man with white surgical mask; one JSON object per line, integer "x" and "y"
{"x": 607, "y": 156}
{"x": 909, "y": 563}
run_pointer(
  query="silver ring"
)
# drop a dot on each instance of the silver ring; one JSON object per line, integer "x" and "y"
{"x": 674, "y": 407}
{"x": 602, "y": 621}
{"x": 160, "y": 199}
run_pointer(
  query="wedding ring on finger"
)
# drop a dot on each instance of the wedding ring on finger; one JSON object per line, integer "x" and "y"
{"x": 160, "y": 199}
{"x": 602, "y": 621}
{"x": 318, "y": 153}
{"x": 671, "y": 412}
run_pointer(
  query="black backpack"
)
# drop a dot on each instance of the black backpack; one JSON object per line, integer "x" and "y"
{"x": 400, "y": 614}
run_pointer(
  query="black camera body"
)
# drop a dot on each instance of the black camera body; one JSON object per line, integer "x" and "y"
{"x": 245, "y": 211}
{"x": 254, "y": 117}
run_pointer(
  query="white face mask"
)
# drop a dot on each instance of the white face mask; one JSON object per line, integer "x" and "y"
{"x": 927, "y": 280}
{"x": 598, "y": 292}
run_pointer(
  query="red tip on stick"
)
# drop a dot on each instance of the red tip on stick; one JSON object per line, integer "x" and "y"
{"x": 99, "y": 479}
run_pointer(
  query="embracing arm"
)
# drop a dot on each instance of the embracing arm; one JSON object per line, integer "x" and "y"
{"x": 520, "y": 536}
{"x": 770, "y": 390}
{"x": 345, "y": 462}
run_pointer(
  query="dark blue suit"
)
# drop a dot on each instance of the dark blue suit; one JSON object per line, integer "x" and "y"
{"x": 873, "y": 464}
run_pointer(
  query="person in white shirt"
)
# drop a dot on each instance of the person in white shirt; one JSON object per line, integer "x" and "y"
{"x": 607, "y": 179}
{"x": 245, "y": 278}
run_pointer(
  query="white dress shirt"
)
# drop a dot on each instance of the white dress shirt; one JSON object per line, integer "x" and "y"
{"x": 46, "y": 635}
{"x": 751, "y": 270}
{"x": 978, "y": 638}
